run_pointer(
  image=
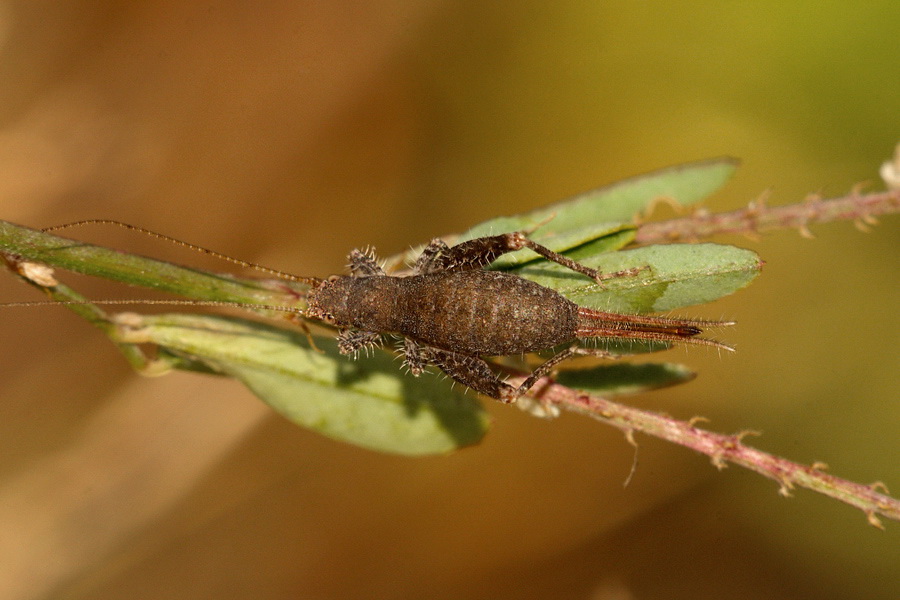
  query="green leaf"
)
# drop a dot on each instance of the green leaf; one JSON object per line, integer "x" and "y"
{"x": 673, "y": 276}
{"x": 367, "y": 402}
{"x": 611, "y": 242}
{"x": 623, "y": 378}
{"x": 607, "y": 211}
{"x": 72, "y": 255}
{"x": 685, "y": 184}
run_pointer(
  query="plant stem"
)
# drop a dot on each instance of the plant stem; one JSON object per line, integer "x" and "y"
{"x": 721, "y": 448}
{"x": 759, "y": 218}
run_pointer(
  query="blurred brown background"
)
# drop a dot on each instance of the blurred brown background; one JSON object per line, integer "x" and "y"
{"x": 290, "y": 132}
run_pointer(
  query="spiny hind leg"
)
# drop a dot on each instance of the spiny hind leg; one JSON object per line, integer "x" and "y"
{"x": 543, "y": 370}
{"x": 465, "y": 256}
{"x": 480, "y": 252}
{"x": 598, "y": 276}
{"x": 475, "y": 373}
{"x": 511, "y": 394}
{"x": 471, "y": 371}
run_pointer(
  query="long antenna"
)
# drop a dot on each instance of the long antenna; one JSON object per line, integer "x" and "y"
{"x": 236, "y": 261}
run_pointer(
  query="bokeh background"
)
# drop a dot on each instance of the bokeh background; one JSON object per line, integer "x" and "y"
{"x": 288, "y": 133}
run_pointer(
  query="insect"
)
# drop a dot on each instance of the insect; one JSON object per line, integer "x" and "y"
{"x": 452, "y": 313}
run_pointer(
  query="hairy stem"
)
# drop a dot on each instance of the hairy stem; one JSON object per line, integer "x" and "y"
{"x": 722, "y": 449}
{"x": 759, "y": 218}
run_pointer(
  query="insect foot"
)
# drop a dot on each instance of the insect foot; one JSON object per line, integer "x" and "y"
{"x": 452, "y": 313}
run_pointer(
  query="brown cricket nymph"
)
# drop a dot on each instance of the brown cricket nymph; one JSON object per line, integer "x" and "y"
{"x": 452, "y": 313}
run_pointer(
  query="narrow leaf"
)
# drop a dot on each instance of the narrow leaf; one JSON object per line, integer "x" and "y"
{"x": 367, "y": 402}
{"x": 609, "y": 209}
{"x": 672, "y": 276}
{"x": 132, "y": 269}
{"x": 623, "y": 378}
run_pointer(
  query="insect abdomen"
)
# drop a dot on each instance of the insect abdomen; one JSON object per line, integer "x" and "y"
{"x": 484, "y": 313}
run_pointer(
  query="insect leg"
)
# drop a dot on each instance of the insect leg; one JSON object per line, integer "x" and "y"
{"x": 472, "y": 372}
{"x": 480, "y": 252}
{"x": 414, "y": 360}
{"x": 466, "y": 256}
{"x": 571, "y": 264}
{"x": 429, "y": 261}
{"x": 363, "y": 264}
{"x": 542, "y": 371}
{"x": 354, "y": 340}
